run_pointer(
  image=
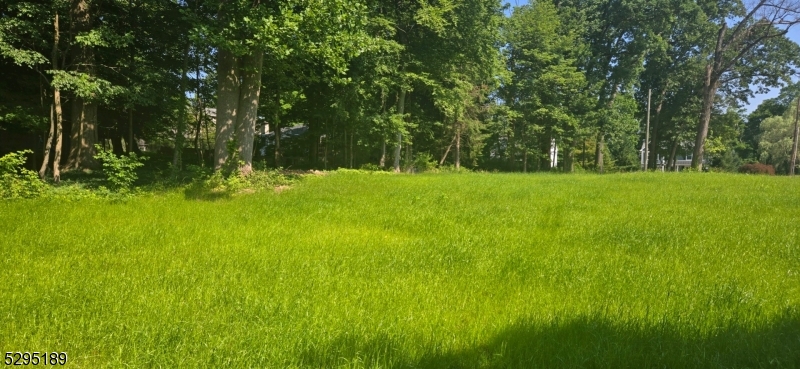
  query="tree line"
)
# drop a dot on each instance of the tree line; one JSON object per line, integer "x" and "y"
{"x": 551, "y": 85}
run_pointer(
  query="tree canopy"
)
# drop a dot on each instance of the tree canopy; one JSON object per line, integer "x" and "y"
{"x": 401, "y": 84}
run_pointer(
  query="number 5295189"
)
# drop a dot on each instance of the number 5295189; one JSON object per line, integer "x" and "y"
{"x": 35, "y": 358}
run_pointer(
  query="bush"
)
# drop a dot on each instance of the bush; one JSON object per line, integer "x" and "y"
{"x": 370, "y": 167}
{"x": 757, "y": 168}
{"x": 120, "y": 171}
{"x": 16, "y": 181}
{"x": 217, "y": 186}
{"x": 424, "y": 162}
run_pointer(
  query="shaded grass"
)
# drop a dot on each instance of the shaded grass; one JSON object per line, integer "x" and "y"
{"x": 460, "y": 271}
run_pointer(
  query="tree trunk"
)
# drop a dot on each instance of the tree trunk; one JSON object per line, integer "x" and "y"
{"x": 248, "y": 108}
{"x": 277, "y": 123}
{"x": 59, "y": 135}
{"x": 84, "y": 135}
{"x": 84, "y": 122}
{"x": 458, "y": 145}
{"x": 177, "y": 157}
{"x": 227, "y": 105}
{"x": 352, "y": 147}
{"x": 646, "y": 154}
{"x": 598, "y": 151}
{"x": 601, "y": 137}
{"x": 383, "y": 153}
{"x": 200, "y": 115}
{"x": 656, "y": 126}
{"x": 793, "y": 163}
{"x": 710, "y": 84}
{"x": 583, "y": 154}
{"x": 709, "y": 94}
{"x": 116, "y": 144}
{"x": 672, "y": 155}
{"x": 48, "y": 144}
{"x": 569, "y": 158}
{"x": 401, "y": 105}
{"x": 130, "y": 131}
{"x": 525, "y": 161}
{"x": 444, "y": 157}
{"x": 198, "y": 130}
{"x": 55, "y": 116}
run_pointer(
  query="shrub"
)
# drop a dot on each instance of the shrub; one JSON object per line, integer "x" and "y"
{"x": 15, "y": 180}
{"x": 120, "y": 171}
{"x": 370, "y": 167}
{"x": 757, "y": 168}
{"x": 424, "y": 162}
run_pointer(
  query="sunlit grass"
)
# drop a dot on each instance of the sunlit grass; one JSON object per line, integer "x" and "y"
{"x": 460, "y": 271}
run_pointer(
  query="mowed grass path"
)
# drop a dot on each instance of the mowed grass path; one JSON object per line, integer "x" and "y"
{"x": 431, "y": 271}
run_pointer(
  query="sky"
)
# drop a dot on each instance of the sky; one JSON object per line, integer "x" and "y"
{"x": 794, "y": 35}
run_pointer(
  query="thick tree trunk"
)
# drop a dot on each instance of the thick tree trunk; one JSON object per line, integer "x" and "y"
{"x": 793, "y": 162}
{"x": 710, "y": 85}
{"x": 116, "y": 144}
{"x": 84, "y": 135}
{"x": 525, "y": 162}
{"x": 227, "y": 104}
{"x": 247, "y": 114}
{"x": 401, "y": 105}
{"x": 84, "y": 122}
{"x": 709, "y": 94}
{"x": 672, "y": 154}
{"x": 569, "y": 158}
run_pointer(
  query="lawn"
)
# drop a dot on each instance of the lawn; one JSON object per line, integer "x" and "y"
{"x": 430, "y": 271}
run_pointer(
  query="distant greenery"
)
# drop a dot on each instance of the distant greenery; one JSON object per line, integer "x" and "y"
{"x": 431, "y": 271}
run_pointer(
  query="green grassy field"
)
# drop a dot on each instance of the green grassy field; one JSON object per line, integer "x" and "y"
{"x": 431, "y": 271}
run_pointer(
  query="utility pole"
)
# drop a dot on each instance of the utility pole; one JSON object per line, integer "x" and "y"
{"x": 647, "y": 132}
{"x": 794, "y": 138}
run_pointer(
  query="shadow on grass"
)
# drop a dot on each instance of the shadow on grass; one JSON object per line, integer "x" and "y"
{"x": 582, "y": 343}
{"x": 198, "y": 190}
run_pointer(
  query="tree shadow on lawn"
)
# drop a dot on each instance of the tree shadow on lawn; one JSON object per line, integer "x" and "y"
{"x": 582, "y": 343}
{"x": 198, "y": 190}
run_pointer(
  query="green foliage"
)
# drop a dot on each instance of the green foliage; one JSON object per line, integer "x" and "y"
{"x": 231, "y": 166}
{"x": 775, "y": 141}
{"x": 731, "y": 162}
{"x": 16, "y": 181}
{"x": 120, "y": 171}
{"x": 424, "y": 162}
{"x": 370, "y": 167}
{"x": 218, "y": 186}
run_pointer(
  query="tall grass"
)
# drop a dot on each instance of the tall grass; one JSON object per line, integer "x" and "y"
{"x": 432, "y": 271}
